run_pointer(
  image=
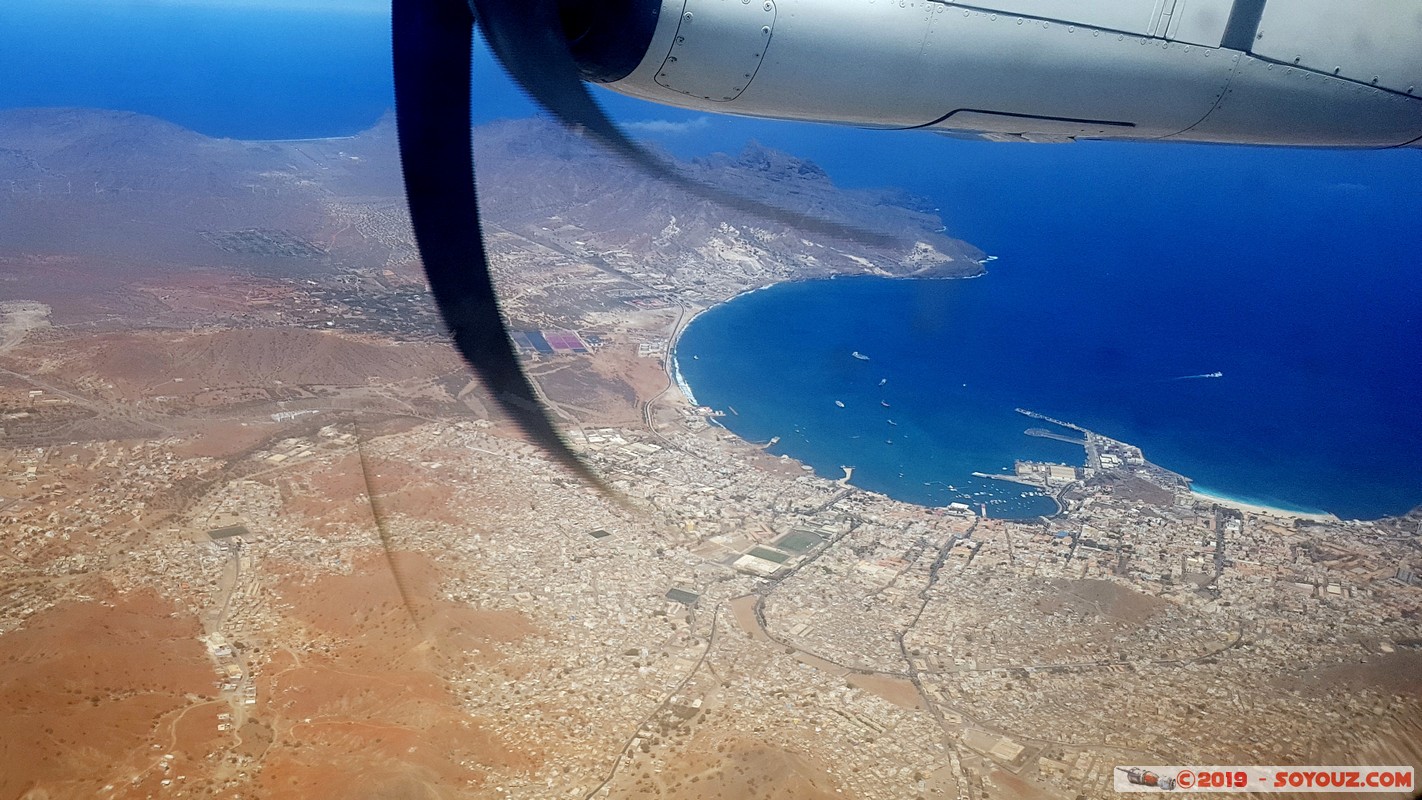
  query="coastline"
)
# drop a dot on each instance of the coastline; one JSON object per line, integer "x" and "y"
{"x": 306, "y": 140}
{"x": 1202, "y": 495}
{"x": 674, "y": 360}
{"x": 1259, "y": 509}
{"x": 678, "y": 380}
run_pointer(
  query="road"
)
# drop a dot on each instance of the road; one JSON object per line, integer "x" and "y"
{"x": 622, "y": 755}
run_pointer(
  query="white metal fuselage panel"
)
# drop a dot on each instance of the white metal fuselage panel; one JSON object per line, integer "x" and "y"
{"x": 1374, "y": 42}
{"x": 1137, "y": 69}
{"x": 1125, "y": 16}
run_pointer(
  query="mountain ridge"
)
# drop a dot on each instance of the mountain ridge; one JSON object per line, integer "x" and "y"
{"x": 125, "y": 190}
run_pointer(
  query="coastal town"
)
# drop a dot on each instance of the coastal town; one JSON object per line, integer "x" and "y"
{"x": 904, "y": 651}
{"x": 288, "y": 547}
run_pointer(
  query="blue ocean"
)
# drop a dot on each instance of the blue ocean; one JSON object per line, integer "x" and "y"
{"x": 1122, "y": 269}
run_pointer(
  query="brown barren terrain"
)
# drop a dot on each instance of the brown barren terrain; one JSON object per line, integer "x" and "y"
{"x": 95, "y": 693}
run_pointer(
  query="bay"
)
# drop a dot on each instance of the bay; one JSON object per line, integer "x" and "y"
{"x": 1315, "y": 409}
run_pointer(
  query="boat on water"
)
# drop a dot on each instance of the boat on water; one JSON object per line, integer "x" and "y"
{"x": 859, "y": 356}
{"x": 885, "y": 403}
{"x": 839, "y": 403}
{"x": 891, "y": 422}
{"x": 883, "y": 381}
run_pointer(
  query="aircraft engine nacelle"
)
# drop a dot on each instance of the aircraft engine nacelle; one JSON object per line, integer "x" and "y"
{"x": 1292, "y": 72}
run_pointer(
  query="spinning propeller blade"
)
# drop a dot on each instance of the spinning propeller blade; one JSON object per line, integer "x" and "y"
{"x": 432, "y": 50}
{"x": 433, "y": 42}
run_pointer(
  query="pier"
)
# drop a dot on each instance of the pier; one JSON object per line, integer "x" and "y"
{"x": 1008, "y": 478}
{"x": 1043, "y": 433}
{"x": 1043, "y": 417}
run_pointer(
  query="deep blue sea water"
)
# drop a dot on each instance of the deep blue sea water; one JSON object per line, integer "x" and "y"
{"x": 228, "y": 71}
{"x": 1296, "y": 273}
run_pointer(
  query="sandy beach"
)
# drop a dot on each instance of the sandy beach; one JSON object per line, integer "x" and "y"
{"x": 1262, "y": 510}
